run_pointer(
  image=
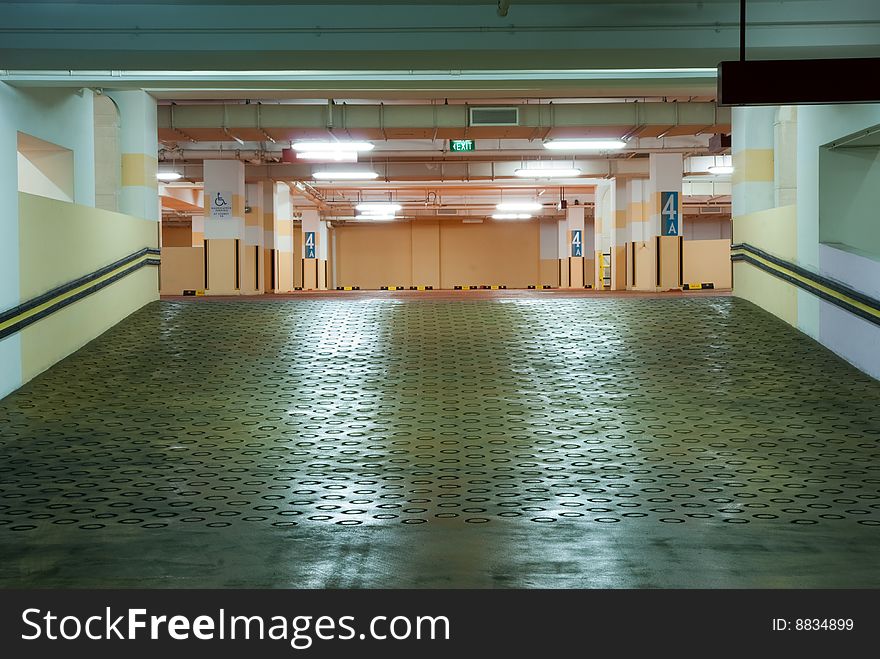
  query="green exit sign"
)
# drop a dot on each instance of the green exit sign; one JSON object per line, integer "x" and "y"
{"x": 462, "y": 145}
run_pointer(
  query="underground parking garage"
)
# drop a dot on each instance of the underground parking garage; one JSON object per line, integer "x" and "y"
{"x": 340, "y": 298}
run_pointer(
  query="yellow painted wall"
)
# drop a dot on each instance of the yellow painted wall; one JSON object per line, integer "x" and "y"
{"x": 707, "y": 261}
{"x": 489, "y": 253}
{"x": 183, "y": 268}
{"x": 59, "y": 242}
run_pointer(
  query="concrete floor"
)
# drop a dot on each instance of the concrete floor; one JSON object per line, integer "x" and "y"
{"x": 477, "y": 439}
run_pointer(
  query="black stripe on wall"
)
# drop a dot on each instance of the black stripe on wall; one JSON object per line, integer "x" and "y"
{"x": 30, "y": 320}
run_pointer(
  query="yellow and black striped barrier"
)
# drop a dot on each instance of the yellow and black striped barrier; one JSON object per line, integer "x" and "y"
{"x": 421, "y": 288}
{"x": 391, "y": 288}
{"x": 17, "y": 318}
{"x": 698, "y": 287}
{"x": 827, "y": 289}
{"x": 348, "y": 288}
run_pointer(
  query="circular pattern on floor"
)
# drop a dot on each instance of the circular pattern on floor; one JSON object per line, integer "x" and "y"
{"x": 375, "y": 411}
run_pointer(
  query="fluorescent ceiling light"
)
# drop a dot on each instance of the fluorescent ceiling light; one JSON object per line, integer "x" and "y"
{"x": 328, "y": 156}
{"x": 721, "y": 169}
{"x": 511, "y": 216}
{"x": 547, "y": 172}
{"x": 584, "y": 145}
{"x": 345, "y": 176}
{"x": 378, "y": 208}
{"x": 332, "y": 146}
{"x": 376, "y": 216}
{"x": 169, "y": 176}
{"x": 507, "y": 206}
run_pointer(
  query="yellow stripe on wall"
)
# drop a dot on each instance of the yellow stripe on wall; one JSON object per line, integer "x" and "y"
{"x": 814, "y": 284}
{"x": 71, "y": 293}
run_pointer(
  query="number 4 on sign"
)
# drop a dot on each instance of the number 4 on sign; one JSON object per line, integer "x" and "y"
{"x": 576, "y": 244}
{"x": 669, "y": 213}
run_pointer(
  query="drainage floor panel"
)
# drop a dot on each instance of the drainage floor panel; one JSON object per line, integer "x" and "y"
{"x": 384, "y": 441}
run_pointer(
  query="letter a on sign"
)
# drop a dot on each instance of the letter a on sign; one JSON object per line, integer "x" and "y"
{"x": 669, "y": 213}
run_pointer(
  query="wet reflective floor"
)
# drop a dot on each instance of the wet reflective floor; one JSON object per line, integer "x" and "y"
{"x": 469, "y": 440}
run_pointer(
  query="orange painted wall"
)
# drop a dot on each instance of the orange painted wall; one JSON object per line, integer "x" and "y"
{"x": 489, "y": 253}
{"x": 182, "y": 268}
{"x": 374, "y": 255}
{"x": 176, "y": 236}
{"x": 438, "y": 253}
{"x": 707, "y": 261}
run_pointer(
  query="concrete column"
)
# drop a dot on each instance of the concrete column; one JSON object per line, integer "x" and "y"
{"x": 752, "y": 142}
{"x": 639, "y": 238}
{"x": 283, "y": 234}
{"x": 315, "y": 250}
{"x": 605, "y": 219}
{"x": 665, "y": 218}
{"x": 620, "y": 237}
{"x": 224, "y": 225}
{"x": 268, "y": 228}
{"x": 785, "y": 156}
{"x": 252, "y": 270}
{"x": 138, "y": 146}
{"x": 575, "y": 244}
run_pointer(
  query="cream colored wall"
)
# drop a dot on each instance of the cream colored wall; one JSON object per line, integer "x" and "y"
{"x": 503, "y": 253}
{"x": 774, "y": 231}
{"x": 183, "y": 268}
{"x": 707, "y": 261}
{"x": 768, "y": 292}
{"x": 60, "y": 242}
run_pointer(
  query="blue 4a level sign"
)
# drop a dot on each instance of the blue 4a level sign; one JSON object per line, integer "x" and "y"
{"x": 669, "y": 214}
{"x": 310, "y": 244}
{"x": 577, "y": 242}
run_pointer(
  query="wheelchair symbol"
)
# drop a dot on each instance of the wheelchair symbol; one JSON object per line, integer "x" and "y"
{"x": 219, "y": 201}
